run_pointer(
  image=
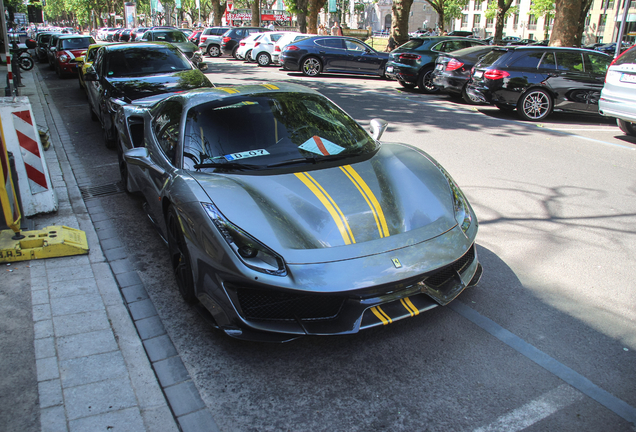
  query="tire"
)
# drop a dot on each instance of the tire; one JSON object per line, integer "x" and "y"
{"x": 628, "y": 128}
{"x": 425, "y": 82}
{"x": 407, "y": 85}
{"x": 235, "y": 53}
{"x": 248, "y": 56}
{"x": 26, "y": 63}
{"x": 263, "y": 59}
{"x": 311, "y": 66}
{"x": 179, "y": 257}
{"x": 108, "y": 142}
{"x": 534, "y": 105}
{"x": 123, "y": 168}
{"x": 214, "y": 51}
{"x": 468, "y": 99}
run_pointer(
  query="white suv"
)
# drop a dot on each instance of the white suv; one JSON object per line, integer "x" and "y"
{"x": 618, "y": 97}
{"x": 269, "y": 47}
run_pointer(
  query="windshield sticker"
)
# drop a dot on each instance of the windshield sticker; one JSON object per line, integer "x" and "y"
{"x": 321, "y": 146}
{"x": 246, "y": 154}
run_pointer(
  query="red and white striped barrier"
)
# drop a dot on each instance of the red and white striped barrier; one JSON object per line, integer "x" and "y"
{"x": 22, "y": 139}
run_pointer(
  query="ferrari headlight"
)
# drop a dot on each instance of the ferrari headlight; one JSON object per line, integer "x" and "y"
{"x": 64, "y": 58}
{"x": 253, "y": 253}
{"x": 114, "y": 105}
{"x": 463, "y": 213}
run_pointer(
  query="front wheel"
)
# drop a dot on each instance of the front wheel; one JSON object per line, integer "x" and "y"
{"x": 311, "y": 67}
{"x": 179, "y": 257}
{"x": 214, "y": 51}
{"x": 26, "y": 63}
{"x": 425, "y": 82}
{"x": 628, "y": 128}
{"x": 534, "y": 105}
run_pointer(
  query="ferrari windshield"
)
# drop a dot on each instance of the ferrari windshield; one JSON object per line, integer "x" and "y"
{"x": 269, "y": 130}
{"x": 145, "y": 61}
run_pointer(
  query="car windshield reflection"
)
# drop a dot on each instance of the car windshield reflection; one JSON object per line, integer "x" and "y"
{"x": 144, "y": 61}
{"x": 271, "y": 130}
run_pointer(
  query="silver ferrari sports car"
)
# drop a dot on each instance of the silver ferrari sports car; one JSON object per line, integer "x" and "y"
{"x": 284, "y": 217}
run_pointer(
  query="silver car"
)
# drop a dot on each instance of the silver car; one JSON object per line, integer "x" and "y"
{"x": 284, "y": 217}
{"x": 618, "y": 97}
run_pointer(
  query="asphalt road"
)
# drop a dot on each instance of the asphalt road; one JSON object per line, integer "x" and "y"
{"x": 546, "y": 341}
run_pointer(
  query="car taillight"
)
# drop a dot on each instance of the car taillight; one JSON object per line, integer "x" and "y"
{"x": 291, "y": 48}
{"x": 203, "y": 39}
{"x": 454, "y": 64}
{"x": 409, "y": 57}
{"x": 277, "y": 48}
{"x": 226, "y": 39}
{"x": 242, "y": 43}
{"x": 496, "y": 74}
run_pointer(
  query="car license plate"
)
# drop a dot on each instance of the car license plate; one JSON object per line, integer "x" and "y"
{"x": 389, "y": 69}
{"x": 479, "y": 74}
{"x": 628, "y": 78}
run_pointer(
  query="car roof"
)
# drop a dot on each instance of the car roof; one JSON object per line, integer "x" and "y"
{"x": 134, "y": 45}
{"x": 65, "y": 36}
{"x": 545, "y": 48}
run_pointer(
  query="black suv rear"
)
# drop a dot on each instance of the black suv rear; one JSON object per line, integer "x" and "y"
{"x": 537, "y": 80}
{"x": 233, "y": 36}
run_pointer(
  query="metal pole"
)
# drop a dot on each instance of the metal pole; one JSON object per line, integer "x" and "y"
{"x": 7, "y": 44}
{"x": 621, "y": 32}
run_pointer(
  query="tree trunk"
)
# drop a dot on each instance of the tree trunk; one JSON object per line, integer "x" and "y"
{"x": 400, "y": 20}
{"x": 301, "y": 16}
{"x": 585, "y": 9}
{"x": 218, "y": 9}
{"x": 566, "y": 23}
{"x": 500, "y": 20}
{"x": 256, "y": 13}
{"x": 314, "y": 10}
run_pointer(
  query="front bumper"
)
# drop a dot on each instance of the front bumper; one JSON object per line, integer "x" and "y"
{"x": 247, "y": 311}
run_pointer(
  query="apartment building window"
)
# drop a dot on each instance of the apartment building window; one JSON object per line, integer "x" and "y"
{"x": 490, "y": 23}
{"x": 476, "y": 20}
{"x": 602, "y": 20}
{"x": 464, "y": 20}
{"x": 515, "y": 22}
{"x": 477, "y": 5}
{"x": 532, "y": 22}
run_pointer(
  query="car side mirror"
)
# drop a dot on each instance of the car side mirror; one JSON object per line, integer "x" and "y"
{"x": 90, "y": 74}
{"x": 378, "y": 126}
{"x": 203, "y": 66}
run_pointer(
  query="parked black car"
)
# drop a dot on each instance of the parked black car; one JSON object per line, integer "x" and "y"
{"x": 122, "y": 73}
{"x": 537, "y": 80}
{"x": 232, "y": 37}
{"x": 175, "y": 37}
{"x": 452, "y": 70}
{"x": 333, "y": 54}
{"x": 42, "y": 40}
{"x": 412, "y": 64}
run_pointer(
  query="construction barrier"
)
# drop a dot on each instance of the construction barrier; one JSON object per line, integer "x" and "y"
{"x": 8, "y": 197}
{"x": 21, "y": 137}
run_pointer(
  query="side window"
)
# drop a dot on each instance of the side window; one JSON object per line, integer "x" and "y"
{"x": 166, "y": 129}
{"x": 99, "y": 58}
{"x": 528, "y": 61}
{"x": 240, "y": 33}
{"x": 275, "y": 37}
{"x": 596, "y": 64}
{"x": 354, "y": 46}
{"x": 438, "y": 47}
{"x": 454, "y": 45}
{"x": 548, "y": 61}
{"x": 569, "y": 61}
{"x": 330, "y": 43}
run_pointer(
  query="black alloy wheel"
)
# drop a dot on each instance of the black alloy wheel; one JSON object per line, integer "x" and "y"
{"x": 311, "y": 66}
{"x": 468, "y": 98}
{"x": 425, "y": 81}
{"x": 534, "y": 105}
{"x": 179, "y": 257}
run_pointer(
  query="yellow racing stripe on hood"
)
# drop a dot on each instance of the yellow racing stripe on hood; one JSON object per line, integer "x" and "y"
{"x": 369, "y": 197}
{"x": 330, "y": 205}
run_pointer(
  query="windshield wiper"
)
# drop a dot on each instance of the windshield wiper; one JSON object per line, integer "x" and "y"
{"x": 227, "y": 165}
{"x": 308, "y": 159}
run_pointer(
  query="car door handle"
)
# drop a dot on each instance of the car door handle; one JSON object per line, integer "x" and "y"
{"x": 321, "y": 52}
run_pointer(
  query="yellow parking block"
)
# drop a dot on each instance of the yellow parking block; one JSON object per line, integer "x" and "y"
{"x": 50, "y": 242}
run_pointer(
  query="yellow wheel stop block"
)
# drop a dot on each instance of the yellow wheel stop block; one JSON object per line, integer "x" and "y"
{"x": 50, "y": 242}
